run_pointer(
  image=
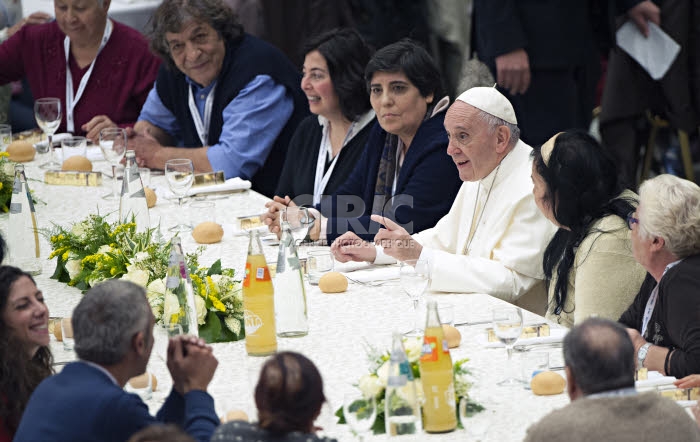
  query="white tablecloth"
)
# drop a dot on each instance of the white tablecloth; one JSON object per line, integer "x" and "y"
{"x": 340, "y": 324}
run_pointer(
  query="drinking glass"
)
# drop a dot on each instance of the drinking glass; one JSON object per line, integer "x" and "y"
{"x": 476, "y": 424}
{"x": 360, "y": 412}
{"x": 318, "y": 263}
{"x": 300, "y": 221}
{"x": 5, "y": 136}
{"x": 180, "y": 175}
{"x": 113, "y": 146}
{"x": 67, "y": 333}
{"x": 507, "y": 325}
{"x": 414, "y": 280}
{"x": 47, "y": 112}
{"x": 73, "y": 146}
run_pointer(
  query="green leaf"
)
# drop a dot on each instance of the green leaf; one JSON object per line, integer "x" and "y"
{"x": 215, "y": 268}
{"x": 341, "y": 416}
{"x": 211, "y": 329}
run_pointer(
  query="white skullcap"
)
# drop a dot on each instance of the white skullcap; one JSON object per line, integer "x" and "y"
{"x": 489, "y": 100}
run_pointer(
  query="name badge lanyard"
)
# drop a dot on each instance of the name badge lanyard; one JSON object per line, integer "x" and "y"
{"x": 201, "y": 126}
{"x": 72, "y": 100}
{"x": 321, "y": 179}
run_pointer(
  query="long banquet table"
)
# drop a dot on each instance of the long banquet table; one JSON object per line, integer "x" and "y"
{"x": 341, "y": 325}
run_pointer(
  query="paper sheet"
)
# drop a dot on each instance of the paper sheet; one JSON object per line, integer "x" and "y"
{"x": 655, "y": 53}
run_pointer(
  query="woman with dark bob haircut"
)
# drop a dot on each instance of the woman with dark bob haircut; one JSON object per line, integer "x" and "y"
{"x": 25, "y": 358}
{"x": 404, "y": 173}
{"x": 588, "y": 264}
{"x": 327, "y": 145}
{"x": 289, "y": 396}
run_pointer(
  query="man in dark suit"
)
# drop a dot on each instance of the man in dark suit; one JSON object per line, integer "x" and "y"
{"x": 113, "y": 331}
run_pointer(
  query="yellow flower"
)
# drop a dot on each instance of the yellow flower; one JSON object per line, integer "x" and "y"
{"x": 213, "y": 289}
{"x": 65, "y": 256}
{"x": 4, "y": 154}
{"x": 217, "y": 304}
{"x": 0, "y": 185}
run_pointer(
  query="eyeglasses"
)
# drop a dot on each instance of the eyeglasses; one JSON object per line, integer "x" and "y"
{"x": 631, "y": 220}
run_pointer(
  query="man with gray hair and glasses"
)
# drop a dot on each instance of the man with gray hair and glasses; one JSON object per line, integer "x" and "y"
{"x": 599, "y": 363}
{"x": 113, "y": 331}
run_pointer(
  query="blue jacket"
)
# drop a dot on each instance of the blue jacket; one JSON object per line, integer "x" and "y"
{"x": 427, "y": 185}
{"x": 83, "y": 404}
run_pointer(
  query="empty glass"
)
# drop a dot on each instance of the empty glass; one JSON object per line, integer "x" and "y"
{"x": 360, "y": 412}
{"x": 318, "y": 263}
{"x": 5, "y": 136}
{"x": 180, "y": 175}
{"x": 67, "y": 333}
{"x": 508, "y": 325}
{"x": 113, "y": 142}
{"x": 47, "y": 112}
{"x": 73, "y": 146}
{"x": 414, "y": 280}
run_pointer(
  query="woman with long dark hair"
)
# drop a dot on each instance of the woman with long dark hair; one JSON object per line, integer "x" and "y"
{"x": 289, "y": 396}
{"x": 25, "y": 358}
{"x": 588, "y": 264}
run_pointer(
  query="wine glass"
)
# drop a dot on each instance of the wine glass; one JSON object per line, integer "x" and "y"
{"x": 113, "y": 146}
{"x": 180, "y": 175}
{"x": 360, "y": 411}
{"x": 507, "y": 325}
{"x": 414, "y": 280}
{"x": 47, "y": 112}
{"x": 476, "y": 424}
{"x": 5, "y": 136}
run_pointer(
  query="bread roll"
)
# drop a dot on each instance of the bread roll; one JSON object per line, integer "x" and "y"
{"x": 141, "y": 381}
{"x": 21, "y": 151}
{"x": 333, "y": 282}
{"x": 547, "y": 383}
{"x": 77, "y": 163}
{"x": 453, "y": 336}
{"x": 151, "y": 197}
{"x": 208, "y": 233}
{"x": 57, "y": 330}
{"x": 234, "y": 415}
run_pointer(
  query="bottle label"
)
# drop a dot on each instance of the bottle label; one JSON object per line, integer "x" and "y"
{"x": 445, "y": 347}
{"x": 262, "y": 274}
{"x": 430, "y": 349}
{"x": 246, "y": 280}
{"x": 397, "y": 381}
{"x": 172, "y": 282}
{"x": 15, "y": 208}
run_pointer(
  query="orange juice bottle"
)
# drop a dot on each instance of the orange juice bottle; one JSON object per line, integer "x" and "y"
{"x": 258, "y": 302}
{"x": 439, "y": 409}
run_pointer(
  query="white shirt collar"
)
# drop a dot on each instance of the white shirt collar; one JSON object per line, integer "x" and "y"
{"x": 359, "y": 124}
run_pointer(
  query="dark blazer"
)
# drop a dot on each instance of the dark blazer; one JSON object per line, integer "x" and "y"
{"x": 81, "y": 403}
{"x": 427, "y": 185}
{"x": 299, "y": 171}
{"x": 675, "y": 321}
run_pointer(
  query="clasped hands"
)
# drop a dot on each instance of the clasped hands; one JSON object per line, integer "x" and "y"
{"x": 191, "y": 363}
{"x": 395, "y": 240}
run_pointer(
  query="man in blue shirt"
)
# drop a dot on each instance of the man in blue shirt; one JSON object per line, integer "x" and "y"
{"x": 226, "y": 99}
{"x": 113, "y": 332}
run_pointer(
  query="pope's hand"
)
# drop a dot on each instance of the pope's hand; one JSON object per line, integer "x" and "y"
{"x": 396, "y": 240}
{"x": 350, "y": 247}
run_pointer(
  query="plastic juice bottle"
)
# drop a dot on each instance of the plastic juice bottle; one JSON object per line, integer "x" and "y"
{"x": 439, "y": 409}
{"x": 258, "y": 302}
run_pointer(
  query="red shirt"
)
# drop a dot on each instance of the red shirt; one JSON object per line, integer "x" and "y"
{"x": 123, "y": 75}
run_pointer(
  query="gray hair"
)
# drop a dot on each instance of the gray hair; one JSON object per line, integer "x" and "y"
{"x": 493, "y": 122}
{"x": 107, "y": 318}
{"x": 671, "y": 210}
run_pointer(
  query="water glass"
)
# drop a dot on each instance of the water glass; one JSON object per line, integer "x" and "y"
{"x": 202, "y": 211}
{"x": 476, "y": 424}
{"x": 67, "y": 334}
{"x": 318, "y": 263}
{"x": 414, "y": 280}
{"x": 47, "y": 112}
{"x": 360, "y": 412}
{"x": 446, "y": 313}
{"x": 508, "y": 325}
{"x": 5, "y": 136}
{"x": 73, "y": 146}
{"x": 113, "y": 142}
{"x": 180, "y": 175}
{"x": 533, "y": 362}
{"x": 145, "y": 174}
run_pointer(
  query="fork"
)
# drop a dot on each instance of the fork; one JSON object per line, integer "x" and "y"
{"x": 372, "y": 283}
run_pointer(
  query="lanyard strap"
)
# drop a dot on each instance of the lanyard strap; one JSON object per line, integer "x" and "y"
{"x": 72, "y": 100}
{"x": 326, "y": 151}
{"x": 201, "y": 126}
{"x": 651, "y": 303}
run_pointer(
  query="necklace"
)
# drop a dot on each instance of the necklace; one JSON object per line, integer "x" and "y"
{"x": 472, "y": 231}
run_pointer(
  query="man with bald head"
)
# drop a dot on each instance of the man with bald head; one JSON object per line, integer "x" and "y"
{"x": 493, "y": 237}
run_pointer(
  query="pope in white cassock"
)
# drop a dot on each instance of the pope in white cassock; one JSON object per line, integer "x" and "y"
{"x": 494, "y": 236}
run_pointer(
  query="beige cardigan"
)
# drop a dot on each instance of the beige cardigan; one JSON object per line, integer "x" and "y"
{"x": 605, "y": 277}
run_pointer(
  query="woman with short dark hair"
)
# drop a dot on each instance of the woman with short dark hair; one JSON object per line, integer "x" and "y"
{"x": 327, "y": 145}
{"x": 289, "y": 396}
{"x": 589, "y": 267}
{"x": 25, "y": 358}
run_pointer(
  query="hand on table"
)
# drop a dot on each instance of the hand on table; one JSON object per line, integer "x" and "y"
{"x": 513, "y": 71}
{"x": 396, "y": 241}
{"x": 350, "y": 247}
{"x": 191, "y": 363}
{"x": 95, "y": 125}
{"x": 146, "y": 148}
{"x": 689, "y": 381}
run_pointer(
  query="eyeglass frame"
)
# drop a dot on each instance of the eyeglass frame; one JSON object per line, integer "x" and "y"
{"x": 630, "y": 220}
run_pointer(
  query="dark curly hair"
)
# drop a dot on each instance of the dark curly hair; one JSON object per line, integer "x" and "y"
{"x": 413, "y": 60}
{"x": 289, "y": 394}
{"x": 583, "y": 186}
{"x": 346, "y": 55}
{"x": 19, "y": 375}
{"x": 172, "y": 15}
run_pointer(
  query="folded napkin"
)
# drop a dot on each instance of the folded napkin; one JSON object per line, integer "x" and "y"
{"x": 56, "y": 138}
{"x": 654, "y": 378}
{"x": 230, "y": 185}
{"x": 375, "y": 274}
{"x": 555, "y": 335}
{"x": 351, "y": 266}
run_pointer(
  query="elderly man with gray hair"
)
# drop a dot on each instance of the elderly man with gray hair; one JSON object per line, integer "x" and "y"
{"x": 113, "y": 331}
{"x": 493, "y": 237}
{"x": 664, "y": 318}
{"x": 599, "y": 364}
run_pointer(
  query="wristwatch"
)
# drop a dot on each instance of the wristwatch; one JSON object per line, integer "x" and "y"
{"x": 642, "y": 354}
